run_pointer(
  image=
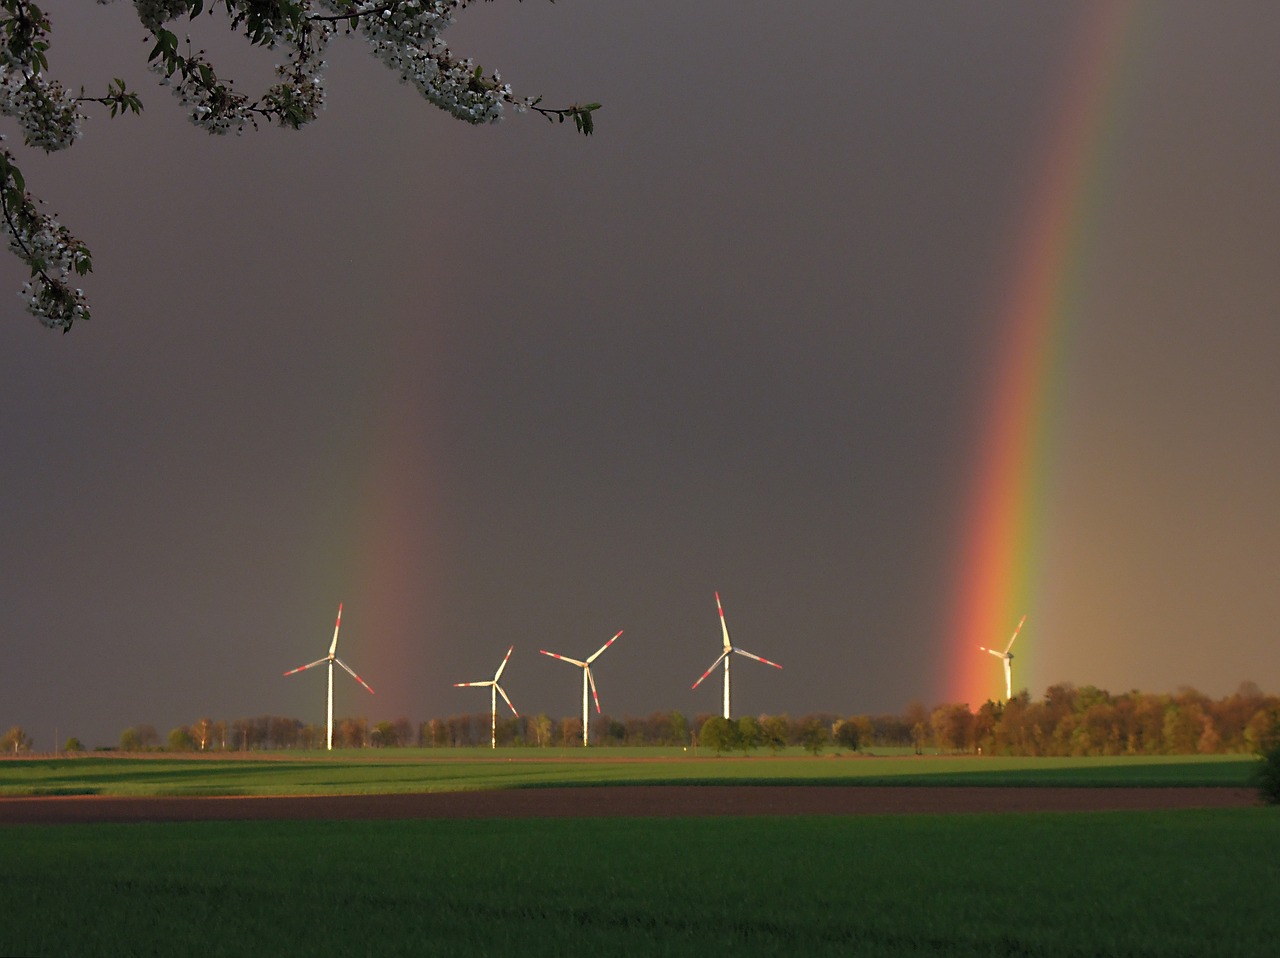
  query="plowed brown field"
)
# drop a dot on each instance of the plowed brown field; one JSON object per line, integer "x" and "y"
{"x": 591, "y": 802}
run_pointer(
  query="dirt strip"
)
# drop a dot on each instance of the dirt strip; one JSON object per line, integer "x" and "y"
{"x": 663, "y": 801}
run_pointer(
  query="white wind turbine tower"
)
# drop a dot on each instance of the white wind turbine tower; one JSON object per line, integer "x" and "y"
{"x": 724, "y": 656}
{"x": 331, "y": 658}
{"x": 1007, "y": 658}
{"x": 494, "y": 691}
{"x": 586, "y": 679}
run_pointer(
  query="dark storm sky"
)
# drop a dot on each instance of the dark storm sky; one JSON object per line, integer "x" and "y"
{"x": 513, "y": 386}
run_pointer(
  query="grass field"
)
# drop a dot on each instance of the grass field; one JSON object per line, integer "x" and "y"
{"x": 427, "y": 770}
{"x": 1192, "y": 883}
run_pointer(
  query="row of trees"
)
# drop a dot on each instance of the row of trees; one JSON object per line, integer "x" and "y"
{"x": 1069, "y": 720}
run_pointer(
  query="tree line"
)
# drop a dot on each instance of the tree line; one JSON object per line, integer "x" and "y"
{"x": 1068, "y": 720}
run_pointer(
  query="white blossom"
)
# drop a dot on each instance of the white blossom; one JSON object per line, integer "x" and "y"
{"x": 406, "y": 35}
{"x": 49, "y": 116}
{"x": 154, "y": 14}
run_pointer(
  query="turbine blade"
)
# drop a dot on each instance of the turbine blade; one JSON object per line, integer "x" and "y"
{"x": 723, "y": 627}
{"x": 998, "y": 655}
{"x": 752, "y": 655}
{"x": 710, "y": 670}
{"x": 309, "y": 665}
{"x": 333, "y": 646}
{"x": 592, "y": 681}
{"x": 1015, "y": 633}
{"x": 461, "y": 685}
{"x": 564, "y": 658}
{"x": 353, "y": 674}
{"x": 507, "y": 700}
{"x": 497, "y": 675}
{"x": 603, "y": 647}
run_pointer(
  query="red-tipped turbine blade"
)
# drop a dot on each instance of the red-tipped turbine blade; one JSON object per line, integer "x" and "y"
{"x": 353, "y": 674}
{"x": 752, "y": 655}
{"x": 723, "y": 627}
{"x": 302, "y": 668}
{"x": 592, "y": 682}
{"x": 469, "y": 685}
{"x": 564, "y": 658}
{"x": 333, "y": 646}
{"x": 603, "y": 647}
{"x": 497, "y": 675}
{"x": 507, "y": 700}
{"x": 1015, "y": 633}
{"x": 710, "y": 670}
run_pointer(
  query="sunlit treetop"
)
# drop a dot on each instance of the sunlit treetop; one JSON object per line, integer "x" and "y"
{"x": 406, "y": 35}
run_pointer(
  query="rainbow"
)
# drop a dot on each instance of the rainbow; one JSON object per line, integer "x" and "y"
{"x": 376, "y": 536}
{"x": 1003, "y": 533}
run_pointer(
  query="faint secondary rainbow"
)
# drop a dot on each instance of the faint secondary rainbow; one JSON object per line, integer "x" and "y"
{"x": 378, "y": 541}
{"x": 1001, "y": 567}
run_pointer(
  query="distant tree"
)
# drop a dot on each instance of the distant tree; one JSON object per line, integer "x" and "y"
{"x": 985, "y": 721}
{"x": 508, "y": 730}
{"x": 750, "y": 734}
{"x": 242, "y": 734}
{"x": 1183, "y": 724}
{"x": 609, "y": 731}
{"x": 847, "y": 735}
{"x": 180, "y": 740}
{"x": 866, "y": 730}
{"x": 1259, "y": 730}
{"x": 351, "y": 733}
{"x": 282, "y": 732}
{"x": 919, "y": 735}
{"x": 1147, "y": 736}
{"x": 916, "y": 714}
{"x": 311, "y": 736}
{"x": 637, "y": 730}
{"x": 719, "y": 733}
{"x": 432, "y": 733}
{"x": 570, "y": 731}
{"x": 73, "y": 745}
{"x": 952, "y": 727}
{"x": 773, "y": 729}
{"x": 1267, "y": 772}
{"x": 16, "y": 741}
{"x": 129, "y": 740}
{"x": 542, "y": 726}
{"x": 404, "y": 732}
{"x": 814, "y": 735}
{"x": 383, "y": 735}
{"x": 891, "y": 730}
{"x": 679, "y": 728}
{"x": 202, "y": 732}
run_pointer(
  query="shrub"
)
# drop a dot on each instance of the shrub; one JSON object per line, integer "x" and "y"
{"x": 1267, "y": 774}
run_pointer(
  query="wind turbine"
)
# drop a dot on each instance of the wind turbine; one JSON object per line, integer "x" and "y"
{"x": 724, "y": 656}
{"x": 494, "y": 690}
{"x": 1007, "y": 658}
{"x": 331, "y": 658}
{"x": 586, "y": 679}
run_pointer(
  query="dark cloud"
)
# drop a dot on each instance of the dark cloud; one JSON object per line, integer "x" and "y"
{"x": 510, "y": 385}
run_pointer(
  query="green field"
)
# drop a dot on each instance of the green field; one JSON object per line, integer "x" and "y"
{"x": 1191, "y": 883}
{"x": 1194, "y": 883}
{"x": 427, "y": 770}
